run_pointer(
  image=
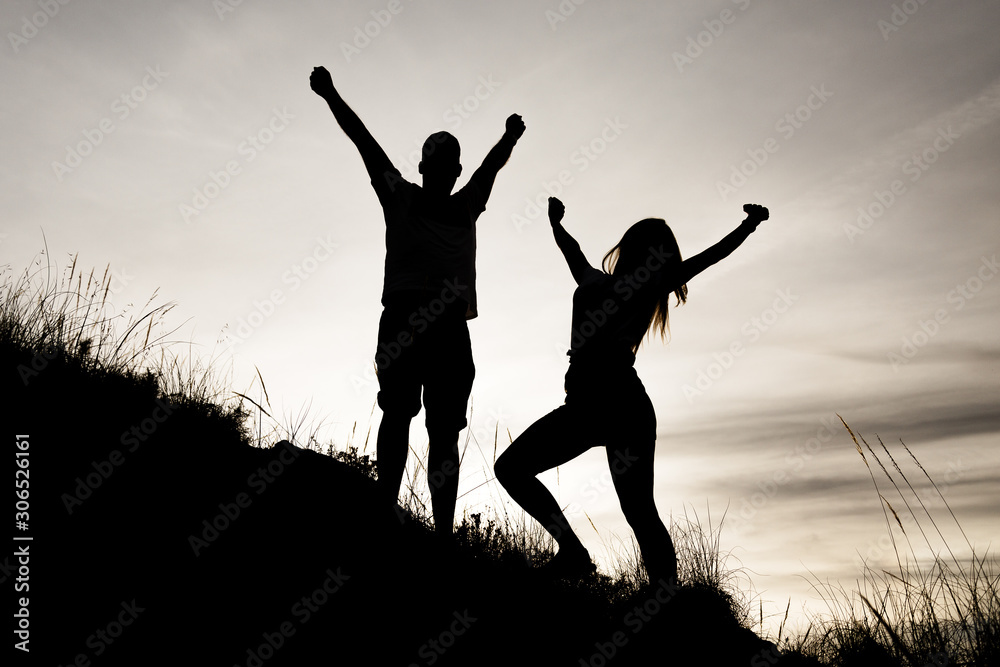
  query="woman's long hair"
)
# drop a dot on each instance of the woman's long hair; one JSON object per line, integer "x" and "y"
{"x": 649, "y": 253}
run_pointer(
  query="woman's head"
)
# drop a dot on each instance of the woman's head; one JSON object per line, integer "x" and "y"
{"x": 649, "y": 260}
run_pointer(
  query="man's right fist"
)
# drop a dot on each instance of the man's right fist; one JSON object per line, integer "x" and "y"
{"x": 320, "y": 81}
{"x": 556, "y": 210}
{"x": 515, "y": 126}
{"x": 755, "y": 213}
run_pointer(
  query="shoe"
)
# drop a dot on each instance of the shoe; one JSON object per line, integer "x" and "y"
{"x": 568, "y": 565}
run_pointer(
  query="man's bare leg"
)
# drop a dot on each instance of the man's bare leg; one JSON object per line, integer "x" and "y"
{"x": 393, "y": 446}
{"x": 442, "y": 478}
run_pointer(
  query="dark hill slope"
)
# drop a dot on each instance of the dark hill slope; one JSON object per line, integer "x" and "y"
{"x": 160, "y": 537}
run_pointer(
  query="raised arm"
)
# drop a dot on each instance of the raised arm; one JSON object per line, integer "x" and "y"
{"x": 376, "y": 161}
{"x": 695, "y": 265}
{"x": 578, "y": 264}
{"x": 498, "y": 155}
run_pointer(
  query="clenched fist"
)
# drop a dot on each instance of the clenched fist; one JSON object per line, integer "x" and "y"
{"x": 515, "y": 127}
{"x": 755, "y": 214}
{"x": 556, "y": 211}
{"x": 321, "y": 82}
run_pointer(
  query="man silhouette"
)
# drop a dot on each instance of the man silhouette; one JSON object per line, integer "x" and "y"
{"x": 428, "y": 294}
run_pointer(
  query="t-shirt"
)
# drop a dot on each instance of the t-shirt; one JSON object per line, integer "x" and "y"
{"x": 610, "y": 316}
{"x": 430, "y": 247}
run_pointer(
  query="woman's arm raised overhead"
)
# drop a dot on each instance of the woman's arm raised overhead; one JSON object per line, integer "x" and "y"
{"x": 578, "y": 264}
{"x": 695, "y": 265}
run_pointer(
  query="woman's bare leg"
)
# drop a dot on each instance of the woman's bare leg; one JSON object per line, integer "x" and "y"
{"x": 632, "y": 471}
{"x": 551, "y": 441}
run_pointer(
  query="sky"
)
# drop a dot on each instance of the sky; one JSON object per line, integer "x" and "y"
{"x": 179, "y": 144}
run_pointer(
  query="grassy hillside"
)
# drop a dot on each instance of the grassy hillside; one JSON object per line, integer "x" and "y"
{"x": 166, "y": 529}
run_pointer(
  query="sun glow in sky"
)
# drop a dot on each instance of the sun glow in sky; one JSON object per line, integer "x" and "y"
{"x": 180, "y": 143}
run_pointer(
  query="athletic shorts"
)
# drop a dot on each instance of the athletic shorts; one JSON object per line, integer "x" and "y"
{"x": 609, "y": 397}
{"x": 425, "y": 346}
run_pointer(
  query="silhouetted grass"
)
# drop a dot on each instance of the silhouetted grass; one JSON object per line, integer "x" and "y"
{"x": 944, "y": 612}
{"x": 54, "y": 321}
{"x": 940, "y": 610}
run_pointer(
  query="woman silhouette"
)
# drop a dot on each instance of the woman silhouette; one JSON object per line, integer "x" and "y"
{"x": 606, "y": 403}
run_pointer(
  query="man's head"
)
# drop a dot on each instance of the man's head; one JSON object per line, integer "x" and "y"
{"x": 439, "y": 164}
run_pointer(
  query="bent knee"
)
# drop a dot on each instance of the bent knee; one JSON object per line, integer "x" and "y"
{"x": 506, "y": 470}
